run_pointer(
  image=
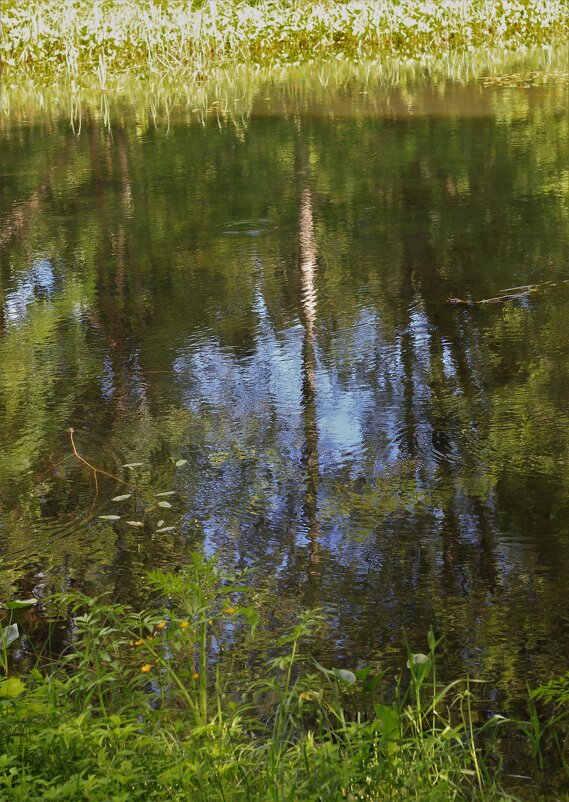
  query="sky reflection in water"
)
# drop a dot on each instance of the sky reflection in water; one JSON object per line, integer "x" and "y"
{"x": 270, "y": 305}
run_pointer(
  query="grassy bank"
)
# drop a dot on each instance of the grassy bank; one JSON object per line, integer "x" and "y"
{"x": 195, "y": 699}
{"x": 106, "y": 39}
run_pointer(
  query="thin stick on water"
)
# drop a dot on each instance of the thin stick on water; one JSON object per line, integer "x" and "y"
{"x": 93, "y": 467}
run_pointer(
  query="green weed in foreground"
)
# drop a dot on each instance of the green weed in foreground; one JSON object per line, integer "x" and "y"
{"x": 176, "y": 704}
{"x": 47, "y": 39}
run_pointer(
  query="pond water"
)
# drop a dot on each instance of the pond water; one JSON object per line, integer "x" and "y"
{"x": 257, "y": 312}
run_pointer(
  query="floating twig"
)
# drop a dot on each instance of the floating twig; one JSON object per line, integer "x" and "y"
{"x": 524, "y": 291}
{"x": 94, "y": 468}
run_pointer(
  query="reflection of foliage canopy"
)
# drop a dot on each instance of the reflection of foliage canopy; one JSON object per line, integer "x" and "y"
{"x": 150, "y": 298}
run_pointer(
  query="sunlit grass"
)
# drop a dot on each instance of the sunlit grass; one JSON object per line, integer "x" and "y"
{"x": 68, "y": 58}
{"x": 105, "y": 39}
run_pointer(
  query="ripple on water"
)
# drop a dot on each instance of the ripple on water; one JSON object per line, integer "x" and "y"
{"x": 247, "y": 228}
{"x": 65, "y": 498}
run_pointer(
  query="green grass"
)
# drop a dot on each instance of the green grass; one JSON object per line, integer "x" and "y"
{"x": 173, "y": 61}
{"x": 105, "y": 39}
{"x": 196, "y": 699}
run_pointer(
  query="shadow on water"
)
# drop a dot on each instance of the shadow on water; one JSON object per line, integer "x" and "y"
{"x": 259, "y": 318}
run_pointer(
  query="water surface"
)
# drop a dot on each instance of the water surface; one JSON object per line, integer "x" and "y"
{"x": 266, "y": 304}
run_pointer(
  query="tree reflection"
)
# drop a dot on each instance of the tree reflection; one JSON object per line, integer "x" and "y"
{"x": 308, "y": 298}
{"x": 272, "y": 307}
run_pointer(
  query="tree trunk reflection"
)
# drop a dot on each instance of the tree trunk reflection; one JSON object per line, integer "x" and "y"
{"x": 308, "y": 298}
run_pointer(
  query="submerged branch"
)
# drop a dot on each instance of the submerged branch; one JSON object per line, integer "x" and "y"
{"x": 524, "y": 291}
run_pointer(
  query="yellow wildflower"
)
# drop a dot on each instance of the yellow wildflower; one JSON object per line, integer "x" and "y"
{"x": 195, "y": 676}
{"x": 138, "y": 642}
{"x": 146, "y": 668}
{"x": 230, "y": 610}
{"x": 183, "y": 624}
{"x": 161, "y": 625}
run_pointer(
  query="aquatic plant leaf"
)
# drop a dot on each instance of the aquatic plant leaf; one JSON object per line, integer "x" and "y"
{"x": 362, "y": 673}
{"x": 372, "y": 681}
{"x": 109, "y": 517}
{"x": 180, "y": 462}
{"x": 419, "y": 665}
{"x": 165, "y": 529}
{"x": 166, "y": 493}
{"x": 345, "y": 676}
{"x": 161, "y": 522}
{"x": 8, "y": 635}
{"x": 340, "y": 673}
{"x": 11, "y": 687}
{"x": 165, "y": 504}
{"x": 134, "y": 523}
{"x": 19, "y": 604}
{"x": 369, "y": 680}
{"x": 417, "y": 659}
{"x": 133, "y": 464}
{"x": 122, "y": 498}
{"x": 388, "y": 719}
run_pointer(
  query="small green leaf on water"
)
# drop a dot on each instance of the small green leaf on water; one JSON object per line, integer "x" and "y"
{"x": 11, "y": 687}
{"x": 180, "y": 462}
{"x": 109, "y": 517}
{"x": 167, "y": 493}
{"x": 122, "y": 498}
{"x": 135, "y": 523}
{"x": 160, "y": 522}
{"x": 133, "y": 464}
{"x": 19, "y": 604}
{"x": 165, "y": 504}
{"x": 165, "y": 529}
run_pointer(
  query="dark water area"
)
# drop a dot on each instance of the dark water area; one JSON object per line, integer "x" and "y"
{"x": 265, "y": 304}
